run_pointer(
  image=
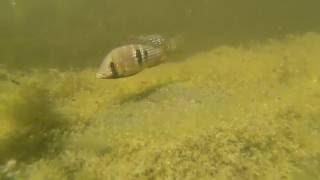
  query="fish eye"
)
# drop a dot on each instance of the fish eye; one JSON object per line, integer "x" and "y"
{"x": 114, "y": 69}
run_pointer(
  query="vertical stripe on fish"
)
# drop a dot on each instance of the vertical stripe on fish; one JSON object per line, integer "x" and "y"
{"x": 114, "y": 70}
{"x": 143, "y": 55}
{"x": 139, "y": 56}
{"x": 128, "y": 60}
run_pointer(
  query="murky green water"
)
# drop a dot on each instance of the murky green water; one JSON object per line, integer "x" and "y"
{"x": 79, "y": 33}
{"x": 239, "y": 101}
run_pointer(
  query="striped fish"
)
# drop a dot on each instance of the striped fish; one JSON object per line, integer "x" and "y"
{"x": 128, "y": 60}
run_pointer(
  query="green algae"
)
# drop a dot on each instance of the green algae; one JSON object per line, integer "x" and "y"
{"x": 228, "y": 113}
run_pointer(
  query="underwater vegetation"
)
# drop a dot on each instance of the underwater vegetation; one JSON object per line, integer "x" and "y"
{"x": 245, "y": 112}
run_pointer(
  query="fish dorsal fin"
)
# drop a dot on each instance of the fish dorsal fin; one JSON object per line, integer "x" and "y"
{"x": 154, "y": 40}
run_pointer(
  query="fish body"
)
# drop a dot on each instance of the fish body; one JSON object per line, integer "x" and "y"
{"x": 129, "y": 59}
{"x": 140, "y": 52}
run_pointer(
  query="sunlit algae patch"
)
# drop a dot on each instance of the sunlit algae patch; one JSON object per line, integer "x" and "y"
{"x": 245, "y": 112}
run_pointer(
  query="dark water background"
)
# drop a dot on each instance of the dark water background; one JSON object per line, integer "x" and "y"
{"x": 78, "y": 33}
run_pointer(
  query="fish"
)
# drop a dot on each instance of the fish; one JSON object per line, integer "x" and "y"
{"x": 137, "y": 54}
{"x": 128, "y": 60}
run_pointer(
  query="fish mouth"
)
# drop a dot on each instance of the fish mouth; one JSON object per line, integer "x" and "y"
{"x": 103, "y": 76}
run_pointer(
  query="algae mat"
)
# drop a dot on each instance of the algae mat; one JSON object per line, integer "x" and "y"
{"x": 245, "y": 112}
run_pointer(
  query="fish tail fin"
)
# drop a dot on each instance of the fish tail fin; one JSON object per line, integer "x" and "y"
{"x": 175, "y": 43}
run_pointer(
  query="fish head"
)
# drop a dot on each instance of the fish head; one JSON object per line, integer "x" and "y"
{"x": 105, "y": 69}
